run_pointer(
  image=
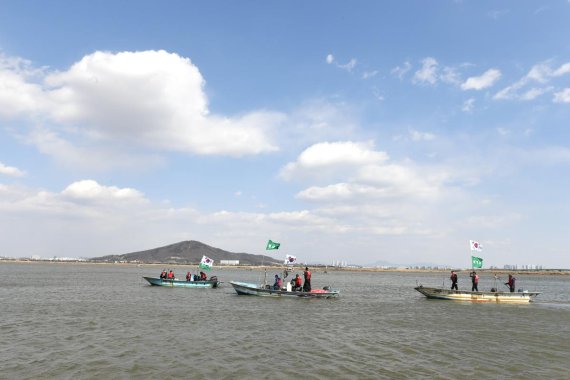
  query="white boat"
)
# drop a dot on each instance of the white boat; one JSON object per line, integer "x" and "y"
{"x": 521, "y": 296}
{"x": 248, "y": 289}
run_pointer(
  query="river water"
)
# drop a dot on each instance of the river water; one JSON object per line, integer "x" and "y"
{"x": 87, "y": 321}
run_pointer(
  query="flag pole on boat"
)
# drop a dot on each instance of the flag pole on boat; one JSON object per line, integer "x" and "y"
{"x": 270, "y": 245}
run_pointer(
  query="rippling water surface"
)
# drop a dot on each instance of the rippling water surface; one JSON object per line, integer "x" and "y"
{"x": 104, "y": 321}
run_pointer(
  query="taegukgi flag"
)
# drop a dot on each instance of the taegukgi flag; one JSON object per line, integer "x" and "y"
{"x": 475, "y": 246}
{"x": 272, "y": 245}
{"x": 290, "y": 259}
{"x": 206, "y": 263}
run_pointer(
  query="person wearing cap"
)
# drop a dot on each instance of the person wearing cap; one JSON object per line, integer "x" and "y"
{"x": 453, "y": 279}
{"x": 474, "y": 281}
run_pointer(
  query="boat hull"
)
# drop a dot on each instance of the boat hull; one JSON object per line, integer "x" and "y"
{"x": 182, "y": 284}
{"x": 465, "y": 295}
{"x": 247, "y": 289}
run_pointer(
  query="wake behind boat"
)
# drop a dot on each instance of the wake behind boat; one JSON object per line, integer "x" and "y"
{"x": 211, "y": 283}
{"x": 248, "y": 289}
{"x": 475, "y": 296}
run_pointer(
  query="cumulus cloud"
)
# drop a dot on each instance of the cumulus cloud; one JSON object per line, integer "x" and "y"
{"x": 332, "y": 156}
{"x": 428, "y": 71}
{"x": 151, "y": 100}
{"x": 11, "y": 171}
{"x": 330, "y": 59}
{"x": 486, "y": 80}
{"x": 91, "y": 190}
{"x": 367, "y": 174}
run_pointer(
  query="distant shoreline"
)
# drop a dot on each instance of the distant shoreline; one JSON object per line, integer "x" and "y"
{"x": 314, "y": 268}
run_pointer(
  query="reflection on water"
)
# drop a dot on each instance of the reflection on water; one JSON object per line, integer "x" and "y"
{"x": 104, "y": 321}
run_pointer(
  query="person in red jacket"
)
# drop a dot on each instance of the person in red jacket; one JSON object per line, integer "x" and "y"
{"x": 511, "y": 283}
{"x": 298, "y": 283}
{"x": 474, "y": 281}
{"x": 170, "y": 275}
{"x": 453, "y": 279}
{"x": 307, "y": 275}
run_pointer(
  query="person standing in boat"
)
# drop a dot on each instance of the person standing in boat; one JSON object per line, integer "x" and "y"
{"x": 307, "y": 275}
{"x": 170, "y": 275}
{"x": 453, "y": 279}
{"x": 163, "y": 274}
{"x": 474, "y": 281}
{"x": 511, "y": 283}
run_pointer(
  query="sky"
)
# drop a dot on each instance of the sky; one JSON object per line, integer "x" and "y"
{"x": 365, "y": 132}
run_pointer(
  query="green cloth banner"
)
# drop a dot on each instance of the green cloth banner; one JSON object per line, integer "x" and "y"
{"x": 476, "y": 262}
{"x": 272, "y": 245}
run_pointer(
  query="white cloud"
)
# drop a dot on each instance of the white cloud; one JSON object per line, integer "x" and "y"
{"x": 562, "y": 96}
{"x": 562, "y": 70}
{"x": 349, "y": 66}
{"x": 428, "y": 71}
{"x": 323, "y": 157}
{"x": 534, "y": 93}
{"x": 401, "y": 71}
{"x": 450, "y": 75}
{"x": 11, "y": 171}
{"x": 18, "y": 95}
{"x": 540, "y": 73}
{"x": 487, "y": 79}
{"x": 91, "y": 190}
{"x": 366, "y": 173}
{"x": 369, "y": 74}
{"x": 151, "y": 100}
{"x": 330, "y": 59}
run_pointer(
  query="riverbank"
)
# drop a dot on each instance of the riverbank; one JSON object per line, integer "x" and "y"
{"x": 314, "y": 268}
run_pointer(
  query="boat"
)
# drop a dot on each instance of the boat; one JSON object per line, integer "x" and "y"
{"x": 248, "y": 289}
{"x": 175, "y": 283}
{"x": 522, "y": 296}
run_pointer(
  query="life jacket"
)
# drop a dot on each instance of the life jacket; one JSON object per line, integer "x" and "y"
{"x": 279, "y": 282}
{"x": 297, "y": 281}
{"x": 307, "y": 275}
{"x": 170, "y": 274}
{"x": 476, "y": 279}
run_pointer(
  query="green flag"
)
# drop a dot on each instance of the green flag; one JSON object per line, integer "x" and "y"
{"x": 476, "y": 262}
{"x": 272, "y": 245}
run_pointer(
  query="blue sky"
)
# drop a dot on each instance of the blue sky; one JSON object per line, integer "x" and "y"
{"x": 356, "y": 131}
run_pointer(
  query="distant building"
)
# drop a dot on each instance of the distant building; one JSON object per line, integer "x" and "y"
{"x": 229, "y": 262}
